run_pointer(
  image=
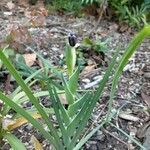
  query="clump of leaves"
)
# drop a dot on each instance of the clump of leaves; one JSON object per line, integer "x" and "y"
{"x": 97, "y": 45}
{"x": 73, "y": 119}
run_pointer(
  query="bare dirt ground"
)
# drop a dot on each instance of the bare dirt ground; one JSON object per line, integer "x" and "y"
{"x": 49, "y": 36}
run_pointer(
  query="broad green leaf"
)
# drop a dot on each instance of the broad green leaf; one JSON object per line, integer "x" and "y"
{"x": 14, "y": 142}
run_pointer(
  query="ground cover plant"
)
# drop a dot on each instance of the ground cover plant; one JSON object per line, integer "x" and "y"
{"x": 71, "y": 120}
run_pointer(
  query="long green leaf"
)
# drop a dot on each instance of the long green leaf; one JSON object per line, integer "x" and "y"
{"x": 53, "y": 96}
{"x": 14, "y": 142}
{"x": 77, "y": 105}
{"x": 75, "y": 122}
{"x": 78, "y": 124}
{"x": 34, "y": 122}
{"x": 69, "y": 95}
{"x": 32, "y": 98}
{"x": 73, "y": 81}
{"x": 95, "y": 98}
{"x": 17, "y": 90}
{"x": 135, "y": 43}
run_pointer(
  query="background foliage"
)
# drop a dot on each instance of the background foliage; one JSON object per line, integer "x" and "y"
{"x": 134, "y": 13}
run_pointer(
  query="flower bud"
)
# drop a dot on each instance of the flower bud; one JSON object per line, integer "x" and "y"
{"x": 72, "y": 39}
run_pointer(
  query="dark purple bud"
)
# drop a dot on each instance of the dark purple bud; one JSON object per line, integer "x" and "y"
{"x": 72, "y": 39}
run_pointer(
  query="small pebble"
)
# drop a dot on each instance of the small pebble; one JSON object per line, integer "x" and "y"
{"x": 86, "y": 80}
{"x": 45, "y": 53}
{"x": 98, "y": 77}
{"x": 94, "y": 83}
{"x": 55, "y": 49}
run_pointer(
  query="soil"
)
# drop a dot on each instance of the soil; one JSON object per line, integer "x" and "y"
{"x": 49, "y": 38}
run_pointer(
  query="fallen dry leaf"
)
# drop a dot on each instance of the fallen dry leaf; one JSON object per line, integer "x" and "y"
{"x": 36, "y": 143}
{"x": 13, "y": 124}
{"x": 30, "y": 59}
{"x": 87, "y": 70}
{"x": 128, "y": 117}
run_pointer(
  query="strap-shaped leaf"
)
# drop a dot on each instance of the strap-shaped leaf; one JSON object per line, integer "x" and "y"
{"x": 81, "y": 114}
{"x": 77, "y": 105}
{"x": 69, "y": 95}
{"x": 64, "y": 114}
{"x": 87, "y": 137}
{"x": 135, "y": 43}
{"x": 30, "y": 119}
{"x": 73, "y": 81}
{"x": 60, "y": 119}
{"x": 29, "y": 93}
{"x": 17, "y": 90}
{"x": 14, "y": 142}
{"x": 94, "y": 99}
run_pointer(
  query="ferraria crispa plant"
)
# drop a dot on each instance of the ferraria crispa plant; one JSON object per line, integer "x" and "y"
{"x": 73, "y": 119}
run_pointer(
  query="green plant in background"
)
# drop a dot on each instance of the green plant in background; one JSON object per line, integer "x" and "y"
{"x": 72, "y": 120}
{"x": 134, "y": 13}
{"x": 64, "y": 5}
{"x": 97, "y": 45}
{"x": 9, "y": 54}
{"x": 90, "y": 1}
